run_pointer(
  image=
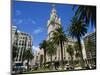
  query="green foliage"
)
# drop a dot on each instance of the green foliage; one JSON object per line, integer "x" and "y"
{"x": 77, "y": 49}
{"x": 87, "y": 13}
{"x": 59, "y": 38}
{"x": 77, "y": 28}
{"x": 51, "y": 49}
{"x": 43, "y": 46}
{"x": 27, "y": 55}
{"x": 70, "y": 50}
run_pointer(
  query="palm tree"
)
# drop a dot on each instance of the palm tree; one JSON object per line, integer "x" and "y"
{"x": 51, "y": 50}
{"x": 27, "y": 55}
{"x": 87, "y": 13}
{"x": 70, "y": 50}
{"x": 41, "y": 60}
{"x": 43, "y": 46}
{"x": 78, "y": 29}
{"x": 59, "y": 38}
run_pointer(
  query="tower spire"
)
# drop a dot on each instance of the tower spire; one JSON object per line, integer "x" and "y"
{"x": 53, "y": 8}
{"x": 53, "y": 5}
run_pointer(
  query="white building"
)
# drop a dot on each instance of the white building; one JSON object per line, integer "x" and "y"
{"x": 14, "y": 30}
{"x": 53, "y": 23}
{"x": 22, "y": 40}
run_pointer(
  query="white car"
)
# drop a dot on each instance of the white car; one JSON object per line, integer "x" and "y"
{"x": 77, "y": 68}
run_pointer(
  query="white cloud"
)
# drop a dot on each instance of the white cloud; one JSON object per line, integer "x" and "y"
{"x": 35, "y": 48}
{"x": 25, "y": 21}
{"x": 33, "y": 22}
{"x": 37, "y": 31}
{"x": 18, "y": 21}
{"x": 18, "y": 12}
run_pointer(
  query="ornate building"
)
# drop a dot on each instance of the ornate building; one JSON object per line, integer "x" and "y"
{"x": 53, "y": 23}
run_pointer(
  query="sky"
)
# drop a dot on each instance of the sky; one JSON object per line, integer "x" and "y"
{"x": 32, "y": 17}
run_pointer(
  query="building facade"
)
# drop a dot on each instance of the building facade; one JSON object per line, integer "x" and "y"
{"x": 90, "y": 47}
{"x": 22, "y": 40}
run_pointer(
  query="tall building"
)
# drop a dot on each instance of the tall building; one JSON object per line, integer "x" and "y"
{"x": 22, "y": 40}
{"x": 14, "y": 29}
{"x": 90, "y": 54}
{"x": 53, "y": 23}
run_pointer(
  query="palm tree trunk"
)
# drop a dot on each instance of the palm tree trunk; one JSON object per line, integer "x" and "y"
{"x": 80, "y": 48}
{"x": 79, "y": 43}
{"x": 61, "y": 54}
{"x": 44, "y": 58}
{"x": 72, "y": 64}
{"x": 51, "y": 62}
{"x": 51, "y": 58}
{"x": 28, "y": 65}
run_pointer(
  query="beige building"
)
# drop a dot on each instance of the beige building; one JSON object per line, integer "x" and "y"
{"x": 52, "y": 27}
{"x": 22, "y": 40}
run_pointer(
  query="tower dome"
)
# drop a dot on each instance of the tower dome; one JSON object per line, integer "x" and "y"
{"x": 53, "y": 22}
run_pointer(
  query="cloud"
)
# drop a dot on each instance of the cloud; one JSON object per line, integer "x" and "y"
{"x": 18, "y": 12}
{"x": 33, "y": 22}
{"x": 24, "y": 21}
{"x": 35, "y": 48}
{"x": 18, "y": 21}
{"x": 37, "y": 31}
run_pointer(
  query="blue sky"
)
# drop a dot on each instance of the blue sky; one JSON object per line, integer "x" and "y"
{"x": 32, "y": 17}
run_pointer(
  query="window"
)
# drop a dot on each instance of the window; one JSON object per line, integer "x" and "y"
{"x": 64, "y": 57}
{"x": 55, "y": 58}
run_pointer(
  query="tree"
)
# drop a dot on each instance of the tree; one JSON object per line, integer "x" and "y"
{"x": 87, "y": 13}
{"x": 27, "y": 55}
{"x": 43, "y": 46}
{"x": 70, "y": 50}
{"x": 77, "y": 29}
{"x": 59, "y": 38}
{"x": 41, "y": 60}
{"x": 51, "y": 50}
